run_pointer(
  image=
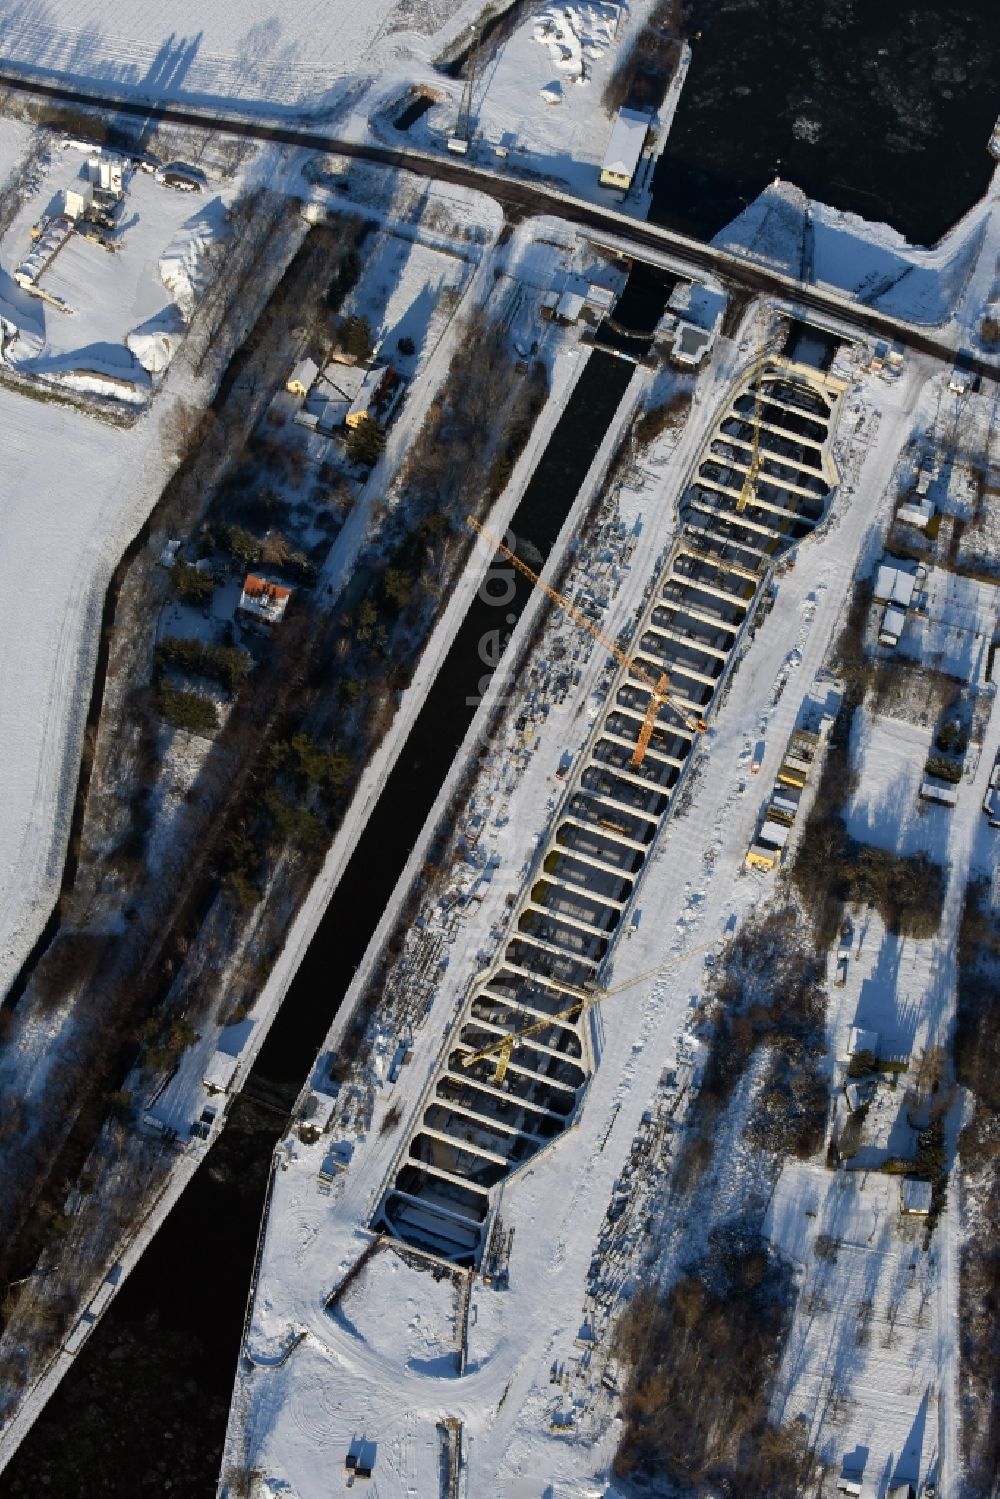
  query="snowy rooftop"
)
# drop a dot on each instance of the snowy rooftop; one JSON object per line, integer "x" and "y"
{"x": 626, "y": 143}
{"x": 894, "y": 583}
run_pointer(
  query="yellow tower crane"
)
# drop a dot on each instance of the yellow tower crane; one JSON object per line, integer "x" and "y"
{"x": 503, "y": 1047}
{"x": 657, "y": 688}
{"x": 748, "y": 491}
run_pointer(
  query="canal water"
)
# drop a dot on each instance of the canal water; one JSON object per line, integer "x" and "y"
{"x": 144, "y": 1408}
{"x": 880, "y": 107}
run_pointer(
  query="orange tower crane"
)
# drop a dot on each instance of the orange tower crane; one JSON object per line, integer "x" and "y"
{"x": 659, "y": 697}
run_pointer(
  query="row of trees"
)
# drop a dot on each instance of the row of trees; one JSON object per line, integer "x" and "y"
{"x": 977, "y": 1066}
{"x": 225, "y": 664}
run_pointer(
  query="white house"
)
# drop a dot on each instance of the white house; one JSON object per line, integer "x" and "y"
{"x": 302, "y": 378}
{"x": 264, "y": 600}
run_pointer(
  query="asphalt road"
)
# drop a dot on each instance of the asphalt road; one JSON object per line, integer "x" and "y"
{"x": 628, "y": 233}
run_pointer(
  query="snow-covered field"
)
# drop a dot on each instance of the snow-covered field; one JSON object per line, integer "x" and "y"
{"x": 252, "y": 50}
{"x": 948, "y": 282}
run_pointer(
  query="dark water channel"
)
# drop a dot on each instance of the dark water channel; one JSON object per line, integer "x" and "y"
{"x": 143, "y": 1411}
{"x": 881, "y": 107}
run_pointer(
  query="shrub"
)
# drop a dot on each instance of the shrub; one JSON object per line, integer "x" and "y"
{"x": 945, "y": 770}
{"x": 355, "y": 337}
{"x": 700, "y": 1362}
{"x": 951, "y": 738}
{"x": 188, "y": 710}
{"x": 191, "y": 585}
{"x": 658, "y": 419}
{"x": 364, "y": 443}
{"x": 397, "y": 587}
{"x": 225, "y": 664}
{"x": 244, "y": 546}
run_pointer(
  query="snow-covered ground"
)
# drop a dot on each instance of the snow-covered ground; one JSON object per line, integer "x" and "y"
{"x": 871, "y": 1362}
{"x": 123, "y": 306}
{"x": 948, "y": 283}
{"x": 73, "y": 492}
{"x": 536, "y": 104}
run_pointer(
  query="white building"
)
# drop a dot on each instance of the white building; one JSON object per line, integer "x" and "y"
{"x": 894, "y": 584}
{"x": 690, "y": 344}
{"x": 917, "y": 512}
{"x": 77, "y": 199}
{"x": 624, "y": 149}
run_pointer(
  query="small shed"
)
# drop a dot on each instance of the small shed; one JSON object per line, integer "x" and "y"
{"x": 302, "y": 378}
{"x": 601, "y": 298}
{"x": 624, "y": 149}
{"x": 917, "y": 512}
{"x": 862, "y": 1040}
{"x": 914, "y": 1196}
{"x": 570, "y": 306}
{"x": 264, "y": 600}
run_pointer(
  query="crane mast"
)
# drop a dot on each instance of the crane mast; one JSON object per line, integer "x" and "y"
{"x": 748, "y": 490}
{"x": 657, "y": 687}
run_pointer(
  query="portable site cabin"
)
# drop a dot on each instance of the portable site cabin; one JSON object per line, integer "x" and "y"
{"x": 762, "y": 856}
{"x": 624, "y": 149}
{"x": 894, "y": 584}
{"x": 794, "y": 772}
{"x": 784, "y": 805}
{"x": 939, "y": 791}
{"x": 769, "y": 848}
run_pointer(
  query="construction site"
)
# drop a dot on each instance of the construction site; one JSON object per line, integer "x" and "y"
{"x": 517, "y": 1069}
{"x": 536, "y": 1050}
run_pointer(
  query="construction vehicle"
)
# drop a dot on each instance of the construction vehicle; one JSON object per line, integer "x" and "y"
{"x": 657, "y": 687}
{"x": 503, "y": 1047}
